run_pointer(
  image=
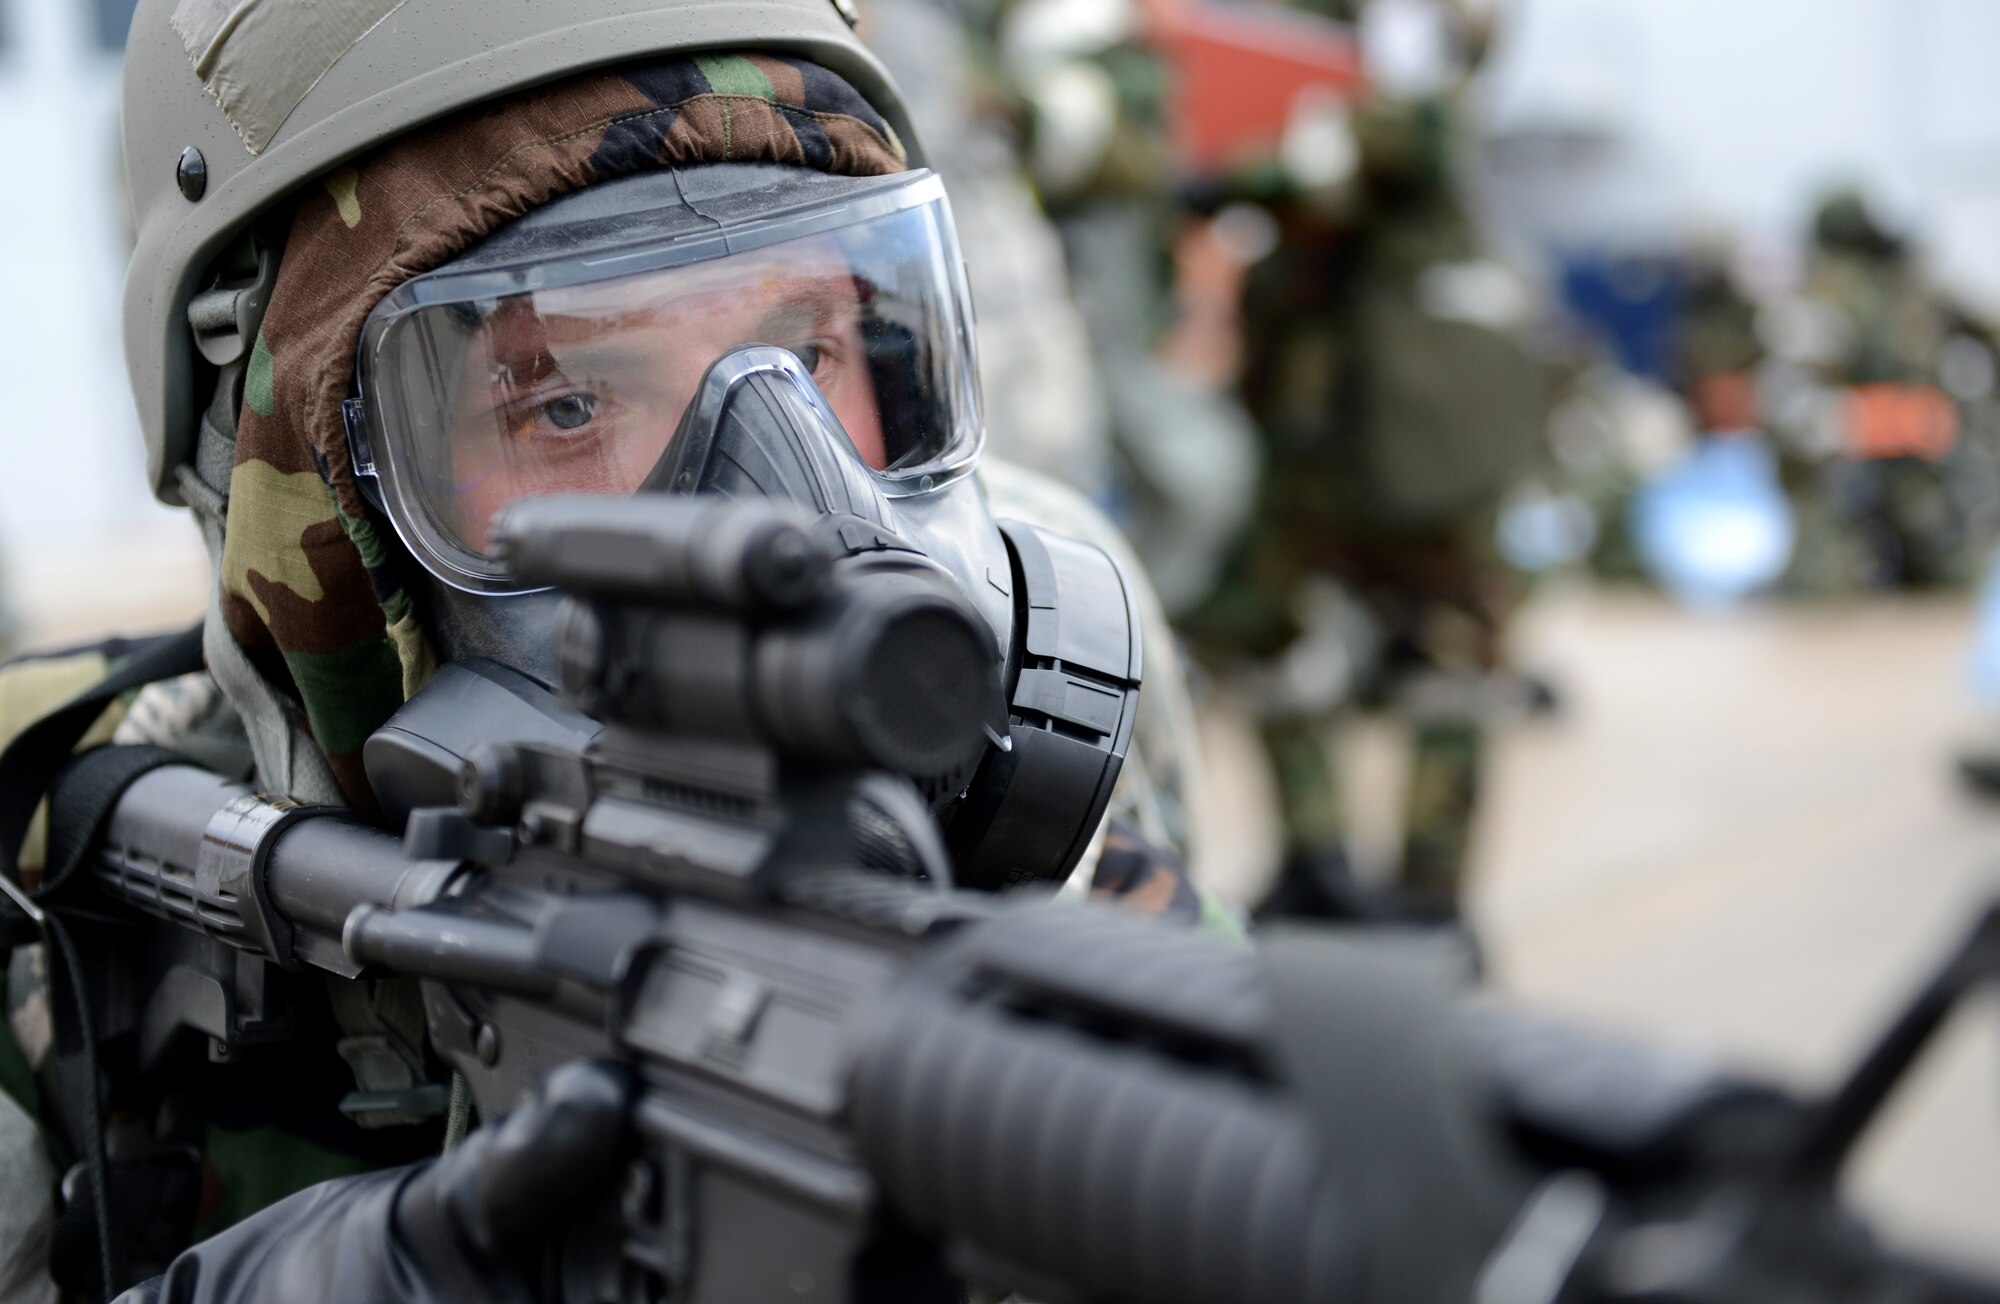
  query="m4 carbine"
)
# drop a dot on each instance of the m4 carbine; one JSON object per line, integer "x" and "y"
{"x": 857, "y": 1083}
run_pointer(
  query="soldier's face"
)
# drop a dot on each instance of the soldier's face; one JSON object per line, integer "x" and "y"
{"x": 581, "y": 390}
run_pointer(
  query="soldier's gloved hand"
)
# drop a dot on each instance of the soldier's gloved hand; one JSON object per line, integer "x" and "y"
{"x": 476, "y": 1224}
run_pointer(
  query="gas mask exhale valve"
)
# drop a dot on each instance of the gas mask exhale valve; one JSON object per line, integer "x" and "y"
{"x": 1072, "y": 664}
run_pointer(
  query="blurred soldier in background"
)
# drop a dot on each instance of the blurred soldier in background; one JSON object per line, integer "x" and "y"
{"x": 1057, "y": 110}
{"x": 1044, "y": 394}
{"x": 1715, "y": 524}
{"x": 1617, "y": 419}
{"x": 1093, "y": 91}
{"x": 1894, "y": 431}
{"x": 1044, "y": 409}
{"x": 1716, "y": 350}
{"x": 1384, "y": 366}
{"x": 1875, "y": 447}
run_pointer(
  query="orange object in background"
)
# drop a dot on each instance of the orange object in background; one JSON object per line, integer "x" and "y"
{"x": 1239, "y": 71}
{"x": 1889, "y": 420}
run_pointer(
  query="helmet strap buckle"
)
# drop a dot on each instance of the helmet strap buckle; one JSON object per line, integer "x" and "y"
{"x": 225, "y": 317}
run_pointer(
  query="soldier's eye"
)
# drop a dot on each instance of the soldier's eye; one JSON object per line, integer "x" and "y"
{"x": 809, "y": 354}
{"x": 570, "y": 411}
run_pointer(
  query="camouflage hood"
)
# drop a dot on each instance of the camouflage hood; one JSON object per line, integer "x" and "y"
{"x": 313, "y": 587}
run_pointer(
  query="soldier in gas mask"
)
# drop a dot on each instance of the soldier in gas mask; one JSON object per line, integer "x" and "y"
{"x": 398, "y": 267}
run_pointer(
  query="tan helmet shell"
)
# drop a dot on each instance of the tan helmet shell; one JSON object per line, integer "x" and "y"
{"x": 425, "y": 59}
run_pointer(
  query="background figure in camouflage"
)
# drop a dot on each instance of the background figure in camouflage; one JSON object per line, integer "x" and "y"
{"x": 1877, "y": 461}
{"x": 1091, "y": 93}
{"x": 1043, "y": 406}
{"x": 1396, "y": 404}
{"x": 1715, "y": 349}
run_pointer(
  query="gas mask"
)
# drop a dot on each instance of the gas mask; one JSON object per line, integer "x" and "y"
{"x": 731, "y": 330}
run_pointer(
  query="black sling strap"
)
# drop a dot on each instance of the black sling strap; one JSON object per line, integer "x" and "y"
{"x": 32, "y": 768}
{"x": 29, "y": 765}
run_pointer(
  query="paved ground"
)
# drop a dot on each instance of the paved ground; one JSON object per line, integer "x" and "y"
{"x": 1745, "y": 835}
{"x": 1742, "y": 836}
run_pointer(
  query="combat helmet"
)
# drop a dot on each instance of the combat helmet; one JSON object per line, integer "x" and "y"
{"x": 232, "y": 106}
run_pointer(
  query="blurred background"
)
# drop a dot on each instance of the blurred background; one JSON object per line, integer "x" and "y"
{"x": 1564, "y": 434}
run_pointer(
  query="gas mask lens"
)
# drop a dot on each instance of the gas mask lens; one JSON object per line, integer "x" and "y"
{"x": 568, "y": 369}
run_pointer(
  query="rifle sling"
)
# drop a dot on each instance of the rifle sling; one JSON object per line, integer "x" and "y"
{"x": 40, "y": 752}
{"x": 34, "y": 766}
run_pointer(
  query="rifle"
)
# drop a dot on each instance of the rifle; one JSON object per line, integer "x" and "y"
{"x": 859, "y": 1083}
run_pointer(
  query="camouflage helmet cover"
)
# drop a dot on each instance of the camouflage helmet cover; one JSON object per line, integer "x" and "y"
{"x": 274, "y": 95}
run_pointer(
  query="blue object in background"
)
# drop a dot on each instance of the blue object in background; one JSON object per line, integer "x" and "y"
{"x": 1539, "y": 530}
{"x": 1630, "y": 301}
{"x": 1716, "y": 527}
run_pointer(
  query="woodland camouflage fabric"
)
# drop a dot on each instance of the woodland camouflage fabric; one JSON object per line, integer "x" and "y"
{"x": 311, "y": 585}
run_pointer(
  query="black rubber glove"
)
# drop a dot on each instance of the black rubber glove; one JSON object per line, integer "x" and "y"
{"x": 476, "y": 1224}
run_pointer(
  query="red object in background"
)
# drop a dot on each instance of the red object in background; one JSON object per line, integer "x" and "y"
{"x": 1887, "y": 420}
{"x": 1239, "y": 71}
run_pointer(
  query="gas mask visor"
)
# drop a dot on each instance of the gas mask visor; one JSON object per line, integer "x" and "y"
{"x": 562, "y": 354}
